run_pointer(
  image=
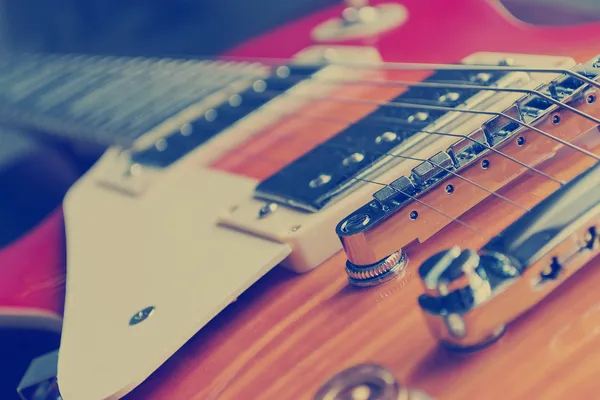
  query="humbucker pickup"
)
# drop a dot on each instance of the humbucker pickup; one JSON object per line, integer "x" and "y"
{"x": 159, "y": 108}
{"x": 331, "y": 168}
{"x": 440, "y": 189}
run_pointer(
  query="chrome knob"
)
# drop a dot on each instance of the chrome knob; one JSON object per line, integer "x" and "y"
{"x": 366, "y": 382}
{"x": 359, "y": 20}
{"x": 455, "y": 285}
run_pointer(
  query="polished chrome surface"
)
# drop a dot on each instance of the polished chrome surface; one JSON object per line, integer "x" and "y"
{"x": 362, "y": 244}
{"x": 367, "y": 382}
{"x": 358, "y": 19}
{"x": 469, "y": 298}
{"x": 267, "y": 210}
{"x": 378, "y": 273}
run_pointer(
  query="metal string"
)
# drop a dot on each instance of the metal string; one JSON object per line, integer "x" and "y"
{"x": 408, "y": 66}
{"x": 472, "y": 228}
{"x": 442, "y": 85}
{"x": 429, "y": 132}
{"x": 442, "y": 108}
{"x": 400, "y": 156}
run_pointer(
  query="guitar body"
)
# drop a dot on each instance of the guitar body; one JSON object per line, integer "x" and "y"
{"x": 288, "y": 333}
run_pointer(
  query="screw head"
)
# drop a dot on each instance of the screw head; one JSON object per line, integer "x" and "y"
{"x": 267, "y": 210}
{"x": 141, "y": 315}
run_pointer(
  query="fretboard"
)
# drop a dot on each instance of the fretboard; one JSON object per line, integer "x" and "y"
{"x": 117, "y": 100}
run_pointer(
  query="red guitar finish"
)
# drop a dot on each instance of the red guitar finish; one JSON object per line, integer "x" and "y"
{"x": 435, "y": 31}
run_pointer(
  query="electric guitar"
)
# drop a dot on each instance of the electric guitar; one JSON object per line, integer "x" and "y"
{"x": 396, "y": 131}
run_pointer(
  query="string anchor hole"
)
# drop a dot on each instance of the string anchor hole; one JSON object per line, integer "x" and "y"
{"x": 590, "y": 98}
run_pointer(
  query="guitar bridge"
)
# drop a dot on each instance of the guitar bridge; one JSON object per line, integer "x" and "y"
{"x": 469, "y": 298}
{"x": 412, "y": 208}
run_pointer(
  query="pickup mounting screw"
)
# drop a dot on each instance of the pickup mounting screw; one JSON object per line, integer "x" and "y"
{"x": 267, "y": 210}
{"x": 295, "y": 228}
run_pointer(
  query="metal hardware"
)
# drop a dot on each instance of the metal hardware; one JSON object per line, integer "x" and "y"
{"x": 39, "y": 381}
{"x": 329, "y": 169}
{"x": 364, "y": 246}
{"x": 359, "y": 19}
{"x": 367, "y": 382}
{"x": 267, "y": 210}
{"x": 125, "y": 175}
{"x": 470, "y": 297}
{"x": 376, "y": 274}
{"x": 141, "y": 315}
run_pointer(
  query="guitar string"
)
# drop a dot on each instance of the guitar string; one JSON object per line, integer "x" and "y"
{"x": 441, "y": 108}
{"x": 400, "y": 156}
{"x": 443, "y": 85}
{"x": 373, "y": 122}
{"x": 468, "y": 226}
{"x": 469, "y": 181}
{"x": 410, "y": 66}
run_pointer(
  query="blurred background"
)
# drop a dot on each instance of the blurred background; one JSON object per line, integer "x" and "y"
{"x": 188, "y": 27}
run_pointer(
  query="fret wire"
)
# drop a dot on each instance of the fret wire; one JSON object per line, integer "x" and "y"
{"x": 442, "y": 85}
{"x": 447, "y": 109}
{"x": 408, "y": 66}
{"x": 472, "y": 228}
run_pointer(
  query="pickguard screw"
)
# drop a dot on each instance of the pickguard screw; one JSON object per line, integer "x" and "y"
{"x": 267, "y": 210}
{"x": 555, "y": 119}
{"x": 141, "y": 315}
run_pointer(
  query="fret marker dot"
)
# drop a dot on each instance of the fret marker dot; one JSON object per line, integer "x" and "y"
{"x": 161, "y": 145}
{"x": 235, "y": 100}
{"x": 210, "y": 115}
{"x": 259, "y": 86}
{"x": 282, "y": 72}
{"x": 186, "y": 130}
{"x": 485, "y": 164}
{"x": 449, "y": 189}
{"x": 556, "y": 119}
{"x": 520, "y": 141}
{"x": 413, "y": 215}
